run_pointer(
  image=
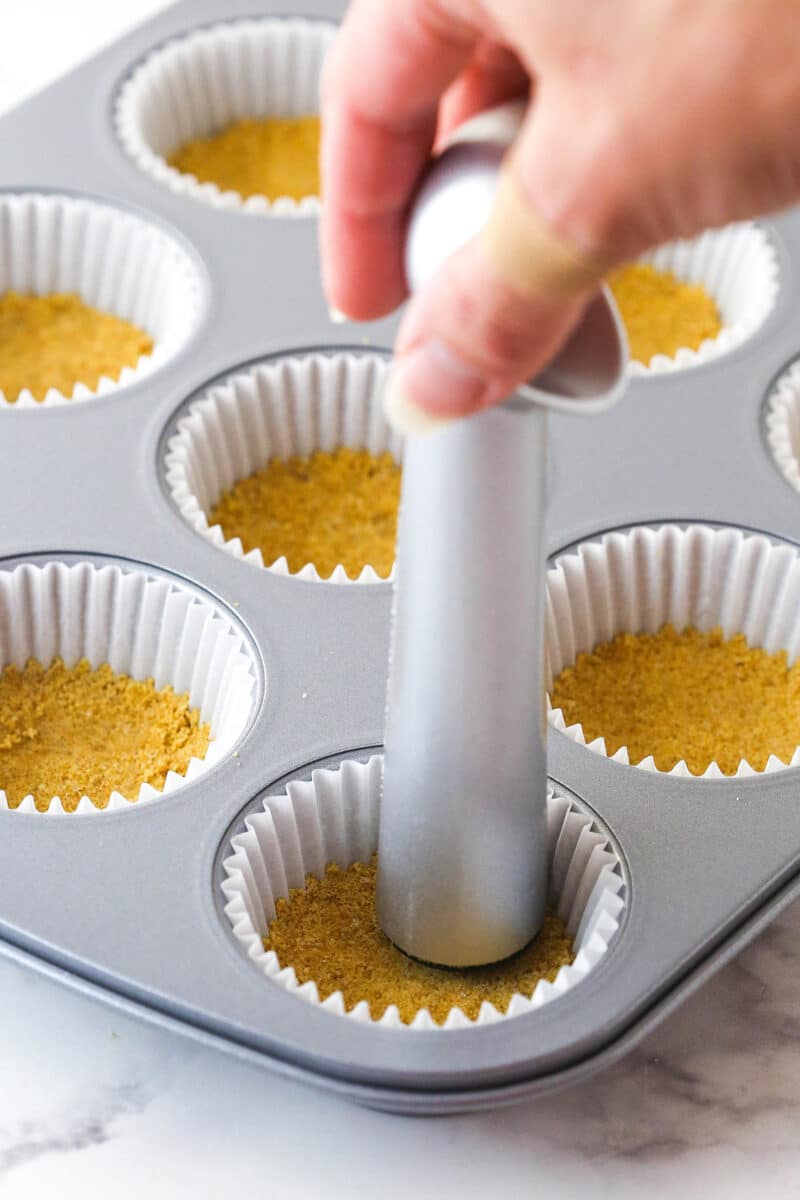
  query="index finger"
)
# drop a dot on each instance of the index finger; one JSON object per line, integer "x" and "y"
{"x": 382, "y": 83}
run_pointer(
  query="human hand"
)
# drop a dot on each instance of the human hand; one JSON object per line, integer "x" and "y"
{"x": 648, "y": 120}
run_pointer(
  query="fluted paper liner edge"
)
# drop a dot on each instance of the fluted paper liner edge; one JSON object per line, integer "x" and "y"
{"x": 141, "y": 625}
{"x": 637, "y": 581}
{"x": 293, "y": 405}
{"x": 782, "y": 424}
{"x": 738, "y": 267}
{"x": 333, "y": 817}
{"x": 200, "y": 83}
{"x": 115, "y": 261}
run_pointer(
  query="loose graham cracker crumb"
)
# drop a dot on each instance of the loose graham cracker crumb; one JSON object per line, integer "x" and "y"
{"x": 329, "y": 932}
{"x": 661, "y": 314}
{"x": 331, "y": 508}
{"x": 57, "y": 341}
{"x": 690, "y": 695}
{"x": 75, "y": 731}
{"x": 269, "y": 157}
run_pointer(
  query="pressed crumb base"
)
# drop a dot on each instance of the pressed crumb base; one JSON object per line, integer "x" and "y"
{"x": 74, "y": 731}
{"x": 331, "y": 508}
{"x": 270, "y": 157}
{"x": 690, "y": 695}
{"x": 328, "y": 932}
{"x": 660, "y": 313}
{"x": 57, "y": 341}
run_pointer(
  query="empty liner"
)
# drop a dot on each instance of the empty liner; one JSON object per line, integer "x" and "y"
{"x": 115, "y": 261}
{"x": 334, "y": 818}
{"x": 291, "y": 406}
{"x": 141, "y": 625}
{"x": 639, "y": 580}
{"x": 782, "y": 422}
{"x": 200, "y": 84}
{"x": 738, "y": 267}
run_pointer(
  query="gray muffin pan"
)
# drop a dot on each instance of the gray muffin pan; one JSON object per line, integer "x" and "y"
{"x": 127, "y": 905}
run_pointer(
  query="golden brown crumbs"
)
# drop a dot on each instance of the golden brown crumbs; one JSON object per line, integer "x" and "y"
{"x": 269, "y": 157}
{"x": 693, "y": 696}
{"x": 661, "y": 314}
{"x": 331, "y": 508}
{"x": 57, "y": 341}
{"x": 329, "y": 932}
{"x": 75, "y": 731}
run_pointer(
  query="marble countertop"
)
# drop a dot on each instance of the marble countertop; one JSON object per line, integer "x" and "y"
{"x": 708, "y": 1105}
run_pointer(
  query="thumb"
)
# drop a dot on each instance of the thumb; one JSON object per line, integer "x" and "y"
{"x": 495, "y": 312}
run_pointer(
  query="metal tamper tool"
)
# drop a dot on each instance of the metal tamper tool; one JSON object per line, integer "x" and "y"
{"x": 463, "y": 870}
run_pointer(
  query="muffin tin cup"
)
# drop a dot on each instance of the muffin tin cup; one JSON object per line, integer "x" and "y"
{"x": 115, "y": 261}
{"x": 636, "y": 581}
{"x": 199, "y": 84}
{"x": 334, "y": 818}
{"x": 738, "y": 267}
{"x": 782, "y": 424}
{"x": 705, "y": 866}
{"x": 141, "y": 625}
{"x": 290, "y": 406}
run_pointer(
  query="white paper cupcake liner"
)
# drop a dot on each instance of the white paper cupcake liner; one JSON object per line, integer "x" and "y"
{"x": 141, "y": 625}
{"x": 115, "y": 261}
{"x": 738, "y": 267}
{"x": 782, "y": 423}
{"x": 334, "y": 818}
{"x": 292, "y": 406}
{"x": 639, "y": 580}
{"x": 198, "y": 85}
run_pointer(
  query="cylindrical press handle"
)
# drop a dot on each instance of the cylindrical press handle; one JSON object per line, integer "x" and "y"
{"x": 462, "y": 876}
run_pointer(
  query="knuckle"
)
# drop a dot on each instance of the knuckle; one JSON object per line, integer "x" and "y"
{"x": 442, "y": 22}
{"x": 584, "y": 184}
{"x": 505, "y": 341}
{"x": 490, "y": 323}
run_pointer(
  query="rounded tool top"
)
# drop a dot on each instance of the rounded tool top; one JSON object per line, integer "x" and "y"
{"x": 452, "y": 205}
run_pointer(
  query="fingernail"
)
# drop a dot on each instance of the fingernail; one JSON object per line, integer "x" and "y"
{"x": 404, "y": 417}
{"x": 430, "y": 386}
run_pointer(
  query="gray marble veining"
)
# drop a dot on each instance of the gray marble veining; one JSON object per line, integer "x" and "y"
{"x": 709, "y": 1104}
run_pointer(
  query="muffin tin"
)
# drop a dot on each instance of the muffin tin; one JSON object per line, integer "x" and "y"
{"x": 128, "y": 904}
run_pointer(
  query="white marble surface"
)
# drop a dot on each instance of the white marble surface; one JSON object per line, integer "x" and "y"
{"x": 708, "y": 1106}
{"x": 90, "y": 1101}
